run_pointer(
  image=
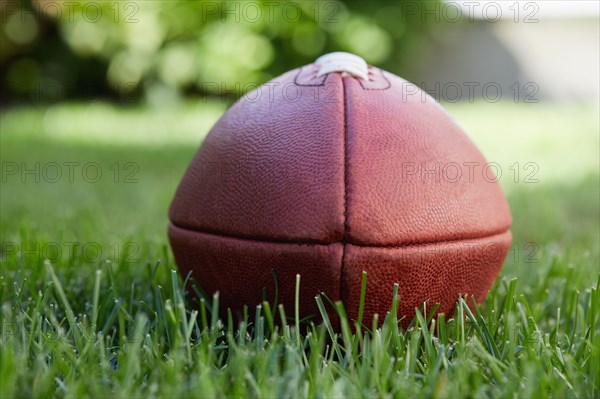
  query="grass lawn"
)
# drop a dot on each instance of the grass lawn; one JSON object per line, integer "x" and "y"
{"x": 91, "y": 306}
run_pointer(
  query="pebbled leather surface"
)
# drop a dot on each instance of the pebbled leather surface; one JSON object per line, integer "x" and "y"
{"x": 408, "y": 177}
{"x": 272, "y": 167}
{"x": 240, "y": 269}
{"x": 331, "y": 176}
{"x": 432, "y": 273}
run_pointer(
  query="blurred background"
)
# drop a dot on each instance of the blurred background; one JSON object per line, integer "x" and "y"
{"x": 130, "y": 88}
{"x": 160, "y": 52}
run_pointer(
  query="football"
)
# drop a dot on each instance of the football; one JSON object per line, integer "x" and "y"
{"x": 333, "y": 169}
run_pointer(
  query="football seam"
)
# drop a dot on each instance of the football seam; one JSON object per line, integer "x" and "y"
{"x": 345, "y": 100}
{"x": 314, "y": 244}
{"x": 322, "y": 83}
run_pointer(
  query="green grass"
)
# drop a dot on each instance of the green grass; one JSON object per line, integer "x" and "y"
{"x": 107, "y": 316}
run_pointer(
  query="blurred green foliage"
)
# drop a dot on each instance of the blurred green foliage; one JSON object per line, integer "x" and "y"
{"x": 161, "y": 50}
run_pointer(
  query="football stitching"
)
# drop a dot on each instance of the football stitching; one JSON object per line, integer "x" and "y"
{"x": 324, "y": 79}
{"x": 389, "y": 84}
{"x": 307, "y": 84}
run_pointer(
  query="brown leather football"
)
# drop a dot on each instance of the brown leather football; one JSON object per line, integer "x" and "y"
{"x": 330, "y": 170}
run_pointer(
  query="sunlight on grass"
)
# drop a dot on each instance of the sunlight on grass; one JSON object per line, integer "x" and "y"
{"x": 534, "y": 143}
{"x": 104, "y": 123}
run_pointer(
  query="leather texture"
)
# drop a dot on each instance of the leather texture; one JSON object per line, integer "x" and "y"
{"x": 432, "y": 273}
{"x": 272, "y": 168}
{"x": 329, "y": 176}
{"x": 241, "y": 269}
